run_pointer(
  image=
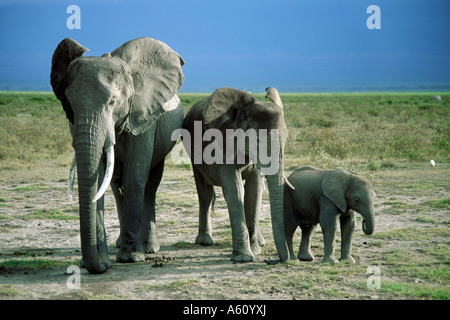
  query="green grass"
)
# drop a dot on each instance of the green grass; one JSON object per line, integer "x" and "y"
{"x": 16, "y": 265}
{"x": 412, "y": 233}
{"x": 8, "y": 291}
{"x": 33, "y": 127}
{"x": 39, "y": 186}
{"x": 326, "y": 128}
{"x": 439, "y": 203}
{"x": 416, "y": 290}
{"x": 50, "y": 214}
{"x": 368, "y": 126}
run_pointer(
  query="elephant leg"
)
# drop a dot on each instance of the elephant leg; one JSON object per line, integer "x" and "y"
{"x": 328, "y": 223}
{"x": 252, "y": 208}
{"x": 117, "y": 188}
{"x": 233, "y": 191}
{"x": 149, "y": 236}
{"x": 289, "y": 234}
{"x": 102, "y": 246}
{"x": 347, "y": 222}
{"x": 304, "y": 252}
{"x": 135, "y": 176}
{"x": 205, "y": 194}
{"x": 290, "y": 224}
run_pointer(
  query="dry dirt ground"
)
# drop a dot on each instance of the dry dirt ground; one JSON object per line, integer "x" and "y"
{"x": 183, "y": 270}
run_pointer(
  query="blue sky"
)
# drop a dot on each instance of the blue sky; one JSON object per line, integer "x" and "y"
{"x": 294, "y": 45}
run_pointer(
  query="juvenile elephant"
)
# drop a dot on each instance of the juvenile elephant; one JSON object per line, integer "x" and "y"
{"x": 220, "y": 126}
{"x": 320, "y": 196}
{"x": 122, "y": 108}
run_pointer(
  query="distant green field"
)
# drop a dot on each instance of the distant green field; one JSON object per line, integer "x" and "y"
{"x": 324, "y": 128}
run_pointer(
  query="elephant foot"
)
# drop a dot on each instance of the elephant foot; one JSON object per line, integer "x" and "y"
{"x": 103, "y": 260}
{"x": 204, "y": 239}
{"x": 305, "y": 256}
{"x": 261, "y": 240}
{"x": 125, "y": 256}
{"x": 347, "y": 259}
{"x": 256, "y": 249}
{"x": 152, "y": 247}
{"x": 119, "y": 242}
{"x": 242, "y": 252}
{"x": 331, "y": 260}
{"x": 242, "y": 257}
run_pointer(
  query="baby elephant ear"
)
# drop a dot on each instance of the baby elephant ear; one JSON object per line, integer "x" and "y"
{"x": 224, "y": 99}
{"x": 66, "y": 51}
{"x": 334, "y": 186}
{"x": 157, "y": 76}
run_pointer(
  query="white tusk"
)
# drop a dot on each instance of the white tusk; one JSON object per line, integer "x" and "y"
{"x": 288, "y": 183}
{"x": 108, "y": 173}
{"x": 73, "y": 168}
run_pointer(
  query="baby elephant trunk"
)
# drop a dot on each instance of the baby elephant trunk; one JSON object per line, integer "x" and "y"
{"x": 368, "y": 224}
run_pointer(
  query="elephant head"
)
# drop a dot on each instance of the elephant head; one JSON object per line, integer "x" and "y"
{"x": 351, "y": 191}
{"x": 229, "y": 108}
{"x": 122, "y": 91}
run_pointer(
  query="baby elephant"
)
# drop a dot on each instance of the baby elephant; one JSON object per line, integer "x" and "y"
{"x": 320, "y": 196}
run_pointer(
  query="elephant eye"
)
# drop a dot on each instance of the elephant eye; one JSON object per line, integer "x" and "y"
{"x": 111, "y": 102}
{"x": 356, "y": 199}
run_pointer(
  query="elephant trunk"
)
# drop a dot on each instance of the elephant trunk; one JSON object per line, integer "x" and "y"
{"x": 88, "y": 144}
{"x": 368, "y": 224}
{"x": 275, "y": 184}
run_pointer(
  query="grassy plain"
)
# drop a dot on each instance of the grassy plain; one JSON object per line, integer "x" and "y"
{"x": 372, "y": 128}
{"x": 389, "y": 137}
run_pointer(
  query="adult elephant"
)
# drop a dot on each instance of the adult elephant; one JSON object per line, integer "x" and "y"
{"x": 229, "y": 117}
{"x": 123, "y": 107}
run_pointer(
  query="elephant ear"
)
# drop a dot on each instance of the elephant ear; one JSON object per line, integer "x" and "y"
{"x": 334, "y": 186}
{"x": 66, "y": 51}
{"x": 221, "y": 101}
{"x": 274, "y": 96}
{"x": 157, "y": 76}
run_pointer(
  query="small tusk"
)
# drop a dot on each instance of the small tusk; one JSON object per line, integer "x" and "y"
{"x": 288, "y": 183}
{"x": 108, "y": 173}
{"x": 263, "y": 182}
{"x": 73, "y": 168}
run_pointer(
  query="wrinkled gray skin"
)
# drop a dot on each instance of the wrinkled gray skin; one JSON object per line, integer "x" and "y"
{"x": 229, "y": 108}
{"x": 119, "y": 100}
{"x": 323, "y": 196}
